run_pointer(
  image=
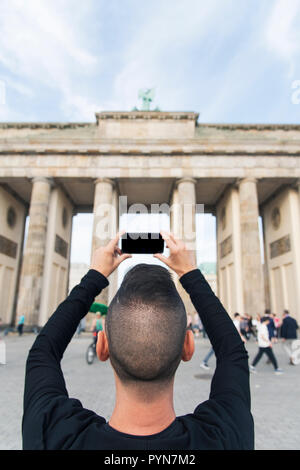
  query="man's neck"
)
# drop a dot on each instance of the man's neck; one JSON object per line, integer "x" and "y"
{"x": 133, "y": 414}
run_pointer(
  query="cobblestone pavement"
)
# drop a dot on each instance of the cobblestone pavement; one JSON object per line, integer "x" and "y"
{"x": 275, "y": 399}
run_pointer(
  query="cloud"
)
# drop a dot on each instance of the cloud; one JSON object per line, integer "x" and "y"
{"x": 41, "y": 42}
{"x": 282, "y": 32}
{"x": 8, "y": 112}
{"x": 158, "y": 47}
{"x": 36, "y": 40}
{"x": 213, "y": 58}
{"x": 78, "y": 107}
{"x": 179, "y": 51}
{"x": 209, "y": 57}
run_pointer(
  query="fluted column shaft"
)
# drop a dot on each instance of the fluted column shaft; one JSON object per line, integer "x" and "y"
{"x": 298, "y": 184}
{"x": 252, "y": 272}
{"x": 183, "y": 223}
{"x": 30, "y": 289}
{"x": 105, "y": 225}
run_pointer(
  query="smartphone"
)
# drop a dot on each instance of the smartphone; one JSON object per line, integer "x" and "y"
{"x": 142, "y": 243}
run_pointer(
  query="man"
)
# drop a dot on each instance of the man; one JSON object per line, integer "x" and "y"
{"x": 97, "y": 325}
{"x": 271, "y": 326}
{"x": 265, "y": 346}
{"x": 244, "y": 327}
{"x": 145, "y": 339}
{"x": 20, "y": 325}
{"x": 288, "y": 333}
{"x": 277, "y": 324}
{"x": 250, "y": 325}
{"x": 237, "y": 324}
{"x": 204, "y": 363}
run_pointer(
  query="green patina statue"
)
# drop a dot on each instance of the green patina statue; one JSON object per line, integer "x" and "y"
{"x": 147, "y": 95}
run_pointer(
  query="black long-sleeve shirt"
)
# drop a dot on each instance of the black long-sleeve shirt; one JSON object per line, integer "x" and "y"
{"x": 52, "y": 420}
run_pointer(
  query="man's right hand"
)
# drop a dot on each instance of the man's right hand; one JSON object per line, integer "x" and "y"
{"x": 180, "y": 260}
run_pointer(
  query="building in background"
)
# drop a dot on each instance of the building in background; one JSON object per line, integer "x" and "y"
{"x": 77, "y": 271}
{"x": 51, "y": 171}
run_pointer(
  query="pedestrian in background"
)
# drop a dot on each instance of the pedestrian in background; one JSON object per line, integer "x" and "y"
{"x": 204, "y": 363}
{"x": 251, "y": 329}
{"x": 97, "y": 325}
{"x": 277, "y": 324}
{"x": 81, "y": 327}
{"x": 196, "y": 324}
{"x": 20, "y": 325}
{"x": 237, "y": 324}
{"x": 288, "y": 333}
{"x": 265, "y": 346}
{"x": 271, "y": 326}
{"x": 244, "y": 326}
{"x": 255, "y": 322}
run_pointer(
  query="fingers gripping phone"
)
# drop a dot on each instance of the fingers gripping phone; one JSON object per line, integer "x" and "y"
{"x": 142, "y": 243}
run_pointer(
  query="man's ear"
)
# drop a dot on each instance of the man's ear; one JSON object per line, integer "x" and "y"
{"x": 188, "y": 346}
{"x": 102, "y": 346}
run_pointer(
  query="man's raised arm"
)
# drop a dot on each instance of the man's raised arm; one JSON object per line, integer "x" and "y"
{"x": 43, "y": 377}
{"x": 232, "y": 373}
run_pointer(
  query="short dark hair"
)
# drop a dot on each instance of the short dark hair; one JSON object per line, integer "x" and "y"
{"x": 263, "y": 319}
{"x": 146, "y": 325}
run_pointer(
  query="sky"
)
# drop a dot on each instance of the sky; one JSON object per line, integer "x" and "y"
{"x": 233, "y": 61}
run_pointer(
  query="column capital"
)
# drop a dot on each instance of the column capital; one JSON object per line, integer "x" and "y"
{"x": 42, "y": 179}
{"x": 185, "y": 179}
{"x": 247, "y": 179}
{"x": 105, "y": 180}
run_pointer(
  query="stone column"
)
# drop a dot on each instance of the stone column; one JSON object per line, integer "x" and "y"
{"x": 105, "y": 222}
{"x": 30, "y": 288}
{"x": 266, "y": 270}
{"x": 298, "y": 185}
{"x": 252, "y": 272}
{"x": 113, "y": 278}
{"x": 183, "y": 223}
{"x": 57, "y": 253}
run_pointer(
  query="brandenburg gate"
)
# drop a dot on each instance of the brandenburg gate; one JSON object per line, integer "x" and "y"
{"x": 51, "y": 171}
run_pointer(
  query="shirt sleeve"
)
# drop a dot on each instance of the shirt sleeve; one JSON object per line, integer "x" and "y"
{"x": 230, "y": 382}
{"x": 44, "y": 380}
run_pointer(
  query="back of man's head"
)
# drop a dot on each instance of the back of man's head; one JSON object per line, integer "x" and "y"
{"x": 146, "y": 326}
